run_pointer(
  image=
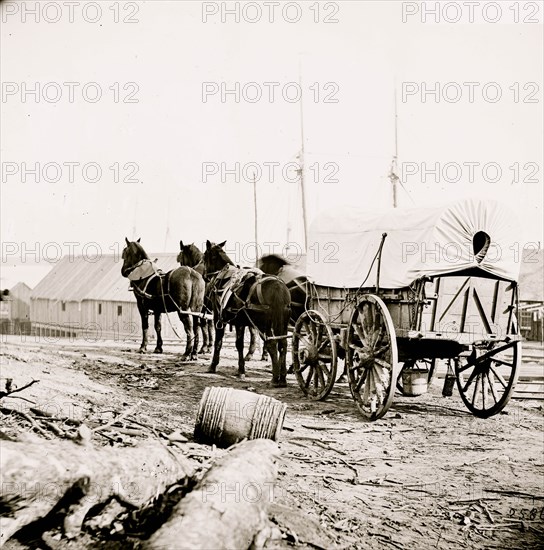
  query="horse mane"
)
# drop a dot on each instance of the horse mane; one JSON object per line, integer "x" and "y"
{"x": 141, "y": 250}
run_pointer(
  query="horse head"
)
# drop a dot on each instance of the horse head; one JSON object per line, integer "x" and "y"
{"x": 132, "y": 254}
{"x": 215, "y": 258}
{"x": 189, "y": 254}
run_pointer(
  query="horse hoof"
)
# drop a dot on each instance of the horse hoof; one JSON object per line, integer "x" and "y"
{"x": 279, "y": 383}
{"x": 211, "y": 370}
{"x": 241, "y": 376}
{"x": 157, "y": 350}
{"x": 248, "y": 357}
{"x": 141, "y": 350}
{"x": 342, "y": 379}
{"x": 291, "y": 370}
{"x": 194, "y": 357}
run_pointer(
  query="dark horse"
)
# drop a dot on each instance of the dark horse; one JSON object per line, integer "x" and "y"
{"x": 273, "y": 264}
{"x": 299, "y": 287}
{"x": 191, "y": 256}
{"x": 181, "y": 290}
{"x": 247, "y": 297}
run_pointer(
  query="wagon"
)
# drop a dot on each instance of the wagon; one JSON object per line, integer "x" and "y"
{"x": 397, "y": 291}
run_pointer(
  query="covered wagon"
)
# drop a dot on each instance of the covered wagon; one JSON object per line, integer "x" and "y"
{"x": 398, "y": 290}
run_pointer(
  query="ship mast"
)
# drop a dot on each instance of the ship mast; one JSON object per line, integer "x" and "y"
{"x": 301, "y": 160}
{"x": 393, "y": 171}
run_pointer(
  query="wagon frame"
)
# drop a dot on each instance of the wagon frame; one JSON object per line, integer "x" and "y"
{"x": 381, "y": 332}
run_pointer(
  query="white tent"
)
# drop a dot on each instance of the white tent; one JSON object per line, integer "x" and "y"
{"x": 344, "y": 242}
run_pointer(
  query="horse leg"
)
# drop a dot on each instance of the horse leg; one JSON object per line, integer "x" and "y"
{"x": 201, "y": 326}
{"x": 145, "y": 327}
{"x": 252, "y": 344}
{"x": 158, "y": 347}
{"x": 240, "y": 348}
{"x": 192, "y": 339}
{"x": 272, "y": 348}
{"x": 282, "y": 347}
{"x": 209, "y": 328}
{"x": 264, "y": 354}
{"x": 219, "y": 333}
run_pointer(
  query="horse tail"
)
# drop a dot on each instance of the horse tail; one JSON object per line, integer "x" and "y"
{"x": 189, "y": 288}
{"x": 197, "y": 291}
{"x": 280, "y": 309}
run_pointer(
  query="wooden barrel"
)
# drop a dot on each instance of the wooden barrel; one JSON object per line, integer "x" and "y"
{"x": 227, "y": 415}
{"x": 414, "y": 381}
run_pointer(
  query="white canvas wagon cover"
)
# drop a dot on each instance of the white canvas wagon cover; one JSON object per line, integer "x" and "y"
{"x": 343, "y": 243}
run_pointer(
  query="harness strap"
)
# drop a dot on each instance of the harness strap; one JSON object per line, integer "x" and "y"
{"x": 256, "y": 287}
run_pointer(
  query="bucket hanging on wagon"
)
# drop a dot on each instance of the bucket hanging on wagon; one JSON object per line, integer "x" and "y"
{"x": 414, "y": 382}
{"x": 227, "y": 415}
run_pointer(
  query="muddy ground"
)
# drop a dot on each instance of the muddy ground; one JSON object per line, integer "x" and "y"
{"x": 427, "y": 475}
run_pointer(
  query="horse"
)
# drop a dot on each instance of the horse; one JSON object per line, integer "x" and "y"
{"x": 181, "y": 290}
{"x": 190, "y": 256}
{"x": 273, "y": 264}
{"x": 247, "y": 297}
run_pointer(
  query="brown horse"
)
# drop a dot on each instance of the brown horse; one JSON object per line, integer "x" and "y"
{"x": 274, "y": 264}
{"x": 180, "y": 290}
{"x": 247, "y": 297}
{"x": 191, "y": 256}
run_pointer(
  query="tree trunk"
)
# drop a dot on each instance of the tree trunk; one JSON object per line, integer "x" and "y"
{"x": 35, "y": 476}
{"x": 229, "y": 506}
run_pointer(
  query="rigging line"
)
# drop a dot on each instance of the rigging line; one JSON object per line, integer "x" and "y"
{"x": 406, "y": 191}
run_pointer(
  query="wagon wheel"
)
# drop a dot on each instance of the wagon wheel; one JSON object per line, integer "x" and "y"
{"x": 422, "y": 364}
{"x": 314, "y": 355}
{"x": 487, "y": 377}
{"x": 372, "y": 357}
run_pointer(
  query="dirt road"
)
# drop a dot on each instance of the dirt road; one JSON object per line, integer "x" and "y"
{"x": 427, "y": 475}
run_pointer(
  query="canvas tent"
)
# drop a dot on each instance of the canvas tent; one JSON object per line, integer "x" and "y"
{"x": 472, "y": 233}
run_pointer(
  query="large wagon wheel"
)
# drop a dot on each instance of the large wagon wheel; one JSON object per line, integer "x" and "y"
{"x": 314, "y": 355}
{"x": 487, "y": 377}
{"x": 372, "y": 357}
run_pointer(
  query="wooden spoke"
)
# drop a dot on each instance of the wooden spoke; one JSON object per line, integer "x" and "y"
{"x": 501, "y": 362}
{"x": 492, "y": 387}
{"x": 314, "y": 354}
{"x": 499, "y": 377}
{"x": 320, "y": 376}
{"x": 362, "y": 379}
{"x": 474, "y": 391}
{"x": 311, "y": 373}
{"x": 471, "y": 377}
{"x": 303, "y": 367}
{"x": 362, "y": 337}
{"x": 483, "y": 379}
{"x": 382, "y": 363}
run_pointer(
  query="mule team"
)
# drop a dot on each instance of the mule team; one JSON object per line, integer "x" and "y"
{"x": 209, "y": 285}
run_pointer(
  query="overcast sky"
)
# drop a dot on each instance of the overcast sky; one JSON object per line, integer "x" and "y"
{"x": 153, "y": 128}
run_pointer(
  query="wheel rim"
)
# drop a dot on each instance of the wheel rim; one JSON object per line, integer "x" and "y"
{"x": 314, "y": 355}
{"x": 487, "y": 377}
{"x": 372, "y": 357}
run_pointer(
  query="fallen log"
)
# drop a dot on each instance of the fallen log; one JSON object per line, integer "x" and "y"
{"x": 228, "y": 507}
{"x": 35, "y": 476}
